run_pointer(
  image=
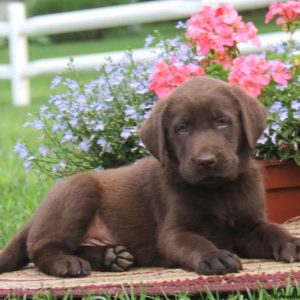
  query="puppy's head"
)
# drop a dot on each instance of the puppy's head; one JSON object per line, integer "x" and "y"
{"x": 206, "y": 128}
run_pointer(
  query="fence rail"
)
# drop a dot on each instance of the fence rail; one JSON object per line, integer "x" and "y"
{"x": 18, "y": 28}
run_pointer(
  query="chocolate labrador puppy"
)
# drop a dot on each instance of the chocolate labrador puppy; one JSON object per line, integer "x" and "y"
{"x": 198, "y": 203}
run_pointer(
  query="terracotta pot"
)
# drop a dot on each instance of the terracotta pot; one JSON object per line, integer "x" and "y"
{"x": 282, "y": 183}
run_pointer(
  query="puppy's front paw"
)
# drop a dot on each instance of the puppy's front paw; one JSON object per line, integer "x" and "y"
{"x": 69, "y": 266}
{"x": 118, "y": 259}
{"x": 287, "y": 251}
{"x": 219, "y": 262}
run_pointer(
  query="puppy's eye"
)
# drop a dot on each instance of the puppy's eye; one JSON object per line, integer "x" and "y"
{"x": 182, "y": 128}
{"x": 222, "y": 122}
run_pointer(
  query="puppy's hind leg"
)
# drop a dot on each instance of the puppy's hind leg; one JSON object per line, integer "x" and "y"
{"x": 14, "y": 256}
{"x": 60, "y": 224}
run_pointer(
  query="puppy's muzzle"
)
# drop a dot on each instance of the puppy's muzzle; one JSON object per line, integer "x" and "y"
{"x": 205, "y": 160}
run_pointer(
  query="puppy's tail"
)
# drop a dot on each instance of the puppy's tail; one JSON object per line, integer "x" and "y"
{"x": 14, "y": 256}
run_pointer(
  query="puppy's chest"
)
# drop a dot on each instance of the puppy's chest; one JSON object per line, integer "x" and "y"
{"x": 220, "y": 214}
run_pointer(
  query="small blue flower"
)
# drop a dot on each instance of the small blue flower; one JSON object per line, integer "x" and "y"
{"x": 58, "y": 127}
{"x": 72, "y": 84}
{"x": 28, "y": 163}
{"x": 37, "y": 124}
{"x": 68, "y": 137}
{"x": 104, "y": 145}
{"x": 126, "y": 133}
{"x": 22, "y": 150}
{"x": 276, "y": 106}
{"x": 181, "y": 24}
{"x": 99, "y": 126}
{"x": 84, "y": 145}
{"x": 296, "y": 114}
{"x": 130, "y": 112}
{"x": 43, "y": 150}
{"x": 60, "y": 166}
{"x": 281, "y": 87}
{"x": 295, "y": 105}
{"x": 73, "y": 122}
{"x": 55, "y": 82}
{"x": 262, "y": 140}
{"x": 275, "y": 126}
{"x": 273, "y": 138}
{"x": 283, "y": 114}
{"x": 148, "y": 41}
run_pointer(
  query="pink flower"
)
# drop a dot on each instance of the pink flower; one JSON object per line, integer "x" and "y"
{"x": 287, "y": 11}
{"x": 216, "y": 29}
{"x": 253, "y": 73}
{"x": 278, "y": 72}
{"x": 166, "y": 77}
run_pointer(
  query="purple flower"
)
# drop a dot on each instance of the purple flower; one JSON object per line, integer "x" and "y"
{"x": 273, "y": 138}
{"x": 275, "y": 126}
{"x": 295, "y": 105}
{"x": 148, "y": 41}
{"x": 130, "y": 112}
{"x": 296, "y": 114}
{"x": 55, "y": 82}
{"x": 85, "y": 145}
{"x": 22, "y": 150}
{"x": 68, "y": 137}
{"x": 61, "y": 165}
{"x": 279, "y": 48}
{"x": 262, "y": 140}
{"x": 58, "y": 127}
{"x": 99, "y": 126}
{"x": 73, "y": 122}
{"x": 72, "y": 84}
{"x": 43, "y": 150}
{"x": 276, "y": 106}
{"x": 125, "y": 134}
{"x": 28, "y": 163}
{"x": 281, "y": 87}
{"x": 104, "y": 145}
{"x": 37, "y": 124}
{"x": 181, "y": 24}
{"x": 283, "y": 114}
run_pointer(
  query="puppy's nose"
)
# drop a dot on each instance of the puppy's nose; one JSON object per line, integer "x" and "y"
{"x": 206, "y": 160}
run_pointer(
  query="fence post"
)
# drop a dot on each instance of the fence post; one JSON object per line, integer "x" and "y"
{"x": 18, "y": 52}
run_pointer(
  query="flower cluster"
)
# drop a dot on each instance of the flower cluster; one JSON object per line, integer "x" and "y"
{"x": 94, "y": 125}
{"x": 212, "y": 36}
{"x": 288, "y": 14}
{"x": 217, "y": 30}
{"x": 254, "y": 72}
{"x": 282, "y": 136}
{"x": 167, "y": 76}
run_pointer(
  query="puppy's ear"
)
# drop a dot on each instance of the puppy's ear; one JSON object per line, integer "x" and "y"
{"x": 253, "y": 115}
{"x": 152, "y": 132}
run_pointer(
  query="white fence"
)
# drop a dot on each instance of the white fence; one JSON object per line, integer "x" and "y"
{"x": 18, "y": 28}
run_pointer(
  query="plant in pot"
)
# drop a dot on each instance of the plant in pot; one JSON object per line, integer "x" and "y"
{"x": 94, "y": 125}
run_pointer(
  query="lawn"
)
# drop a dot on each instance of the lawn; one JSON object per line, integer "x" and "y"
{"x": 21, "y": 192}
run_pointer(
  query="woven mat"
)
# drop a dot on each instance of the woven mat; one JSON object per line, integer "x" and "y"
{"x": 155, "y": 281}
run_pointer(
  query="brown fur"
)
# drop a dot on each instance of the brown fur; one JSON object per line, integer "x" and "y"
{"x": 197, "y": 204}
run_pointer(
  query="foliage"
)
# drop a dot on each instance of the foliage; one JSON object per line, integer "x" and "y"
{"x": 95, "y": 125}
{"x": 92, "y": 126}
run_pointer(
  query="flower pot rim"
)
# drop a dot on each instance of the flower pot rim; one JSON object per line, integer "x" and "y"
{"x": 276, "y": 162}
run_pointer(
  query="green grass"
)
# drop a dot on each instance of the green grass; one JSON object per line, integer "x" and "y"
{"x": 288, "y": 292}
{"x": 21, "y": 192}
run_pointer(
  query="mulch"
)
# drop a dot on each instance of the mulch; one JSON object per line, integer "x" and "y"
{"x": 156, "y": 281}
